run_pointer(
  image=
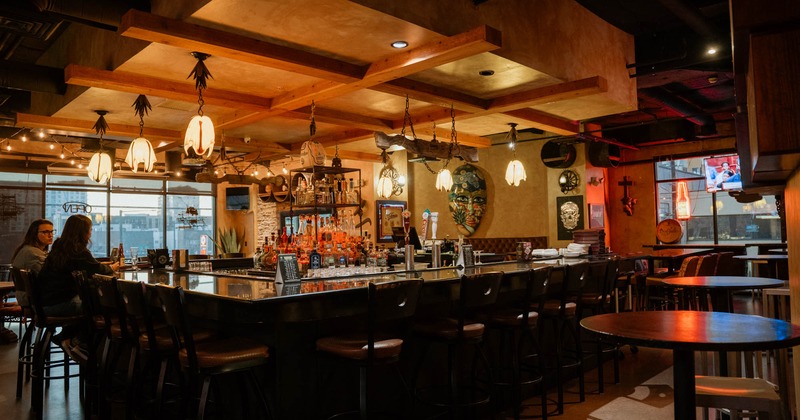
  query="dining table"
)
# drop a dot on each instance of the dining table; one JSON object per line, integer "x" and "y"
{"x": 685, "y": 332}
{"x": 5, "y": 287}
{"x": 673, "y": 257}
{"x": 720, "y": 287}
{"x": 776, "y": 264}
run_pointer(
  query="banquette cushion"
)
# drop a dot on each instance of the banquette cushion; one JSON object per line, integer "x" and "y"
{"x": 506, "y": 245}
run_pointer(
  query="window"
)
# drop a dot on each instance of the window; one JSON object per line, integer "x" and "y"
{"x": 716, "y": 217}
{"x": 131, "y": 211}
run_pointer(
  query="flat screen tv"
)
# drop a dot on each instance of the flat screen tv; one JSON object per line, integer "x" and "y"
{"x": 723, "y": 173}
{"x": 237, "y": 198}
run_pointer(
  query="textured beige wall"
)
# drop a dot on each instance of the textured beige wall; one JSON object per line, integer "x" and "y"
{"x": 527, "y": 210}
{"x": 629, "y": 233}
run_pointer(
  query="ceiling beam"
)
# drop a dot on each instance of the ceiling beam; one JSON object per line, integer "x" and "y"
{"x": 546, "y": 94}
{"x": 333, "y": 116}
{"x": 443, "y": 135}
{"x": 432, "y": 94}
{"x": 448, "y": 49}
{"x": 136, "y": 83}
{"x": 352, "y": 155}
{"x": 341, "y": 137}
{"x": 154, "y": 28}
{"x": 82, "y": 126}
{"x": 544, "y": 121}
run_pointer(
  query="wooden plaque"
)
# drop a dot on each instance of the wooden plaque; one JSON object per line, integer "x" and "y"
{"x": 669, "y": 231}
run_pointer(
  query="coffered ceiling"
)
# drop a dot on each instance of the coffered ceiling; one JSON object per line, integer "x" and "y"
{"x": 554, "y": 65}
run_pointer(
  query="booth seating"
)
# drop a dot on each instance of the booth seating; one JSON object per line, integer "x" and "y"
{"x": 506, "y": 246}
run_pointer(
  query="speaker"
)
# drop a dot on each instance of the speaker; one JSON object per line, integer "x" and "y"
{"x": 158, "y": 257}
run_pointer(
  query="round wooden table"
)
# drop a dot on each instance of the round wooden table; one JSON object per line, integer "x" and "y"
{"x": 688, "y": 331}
{"x": 774, "y": 263}
{"x": 721, "y": 286}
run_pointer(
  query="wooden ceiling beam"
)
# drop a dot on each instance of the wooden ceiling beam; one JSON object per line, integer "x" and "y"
{"x": 443, "y": 135}
{"x": 154, "y": 28}
{"x": 341, "y": 137}
{"x": 546, "y": 94}
{"x": 333, "y": 116}
{"x": 82, "y": 126}
{"x": 135, "y": 83}
{"x": 546, "y": 122}
{"x": 432, "y": 94}
{"x": 475, "y": 41}
{"x": 352, "y": 155}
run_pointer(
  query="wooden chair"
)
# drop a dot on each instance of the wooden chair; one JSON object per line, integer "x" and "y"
{"x": 203, "y": 361}
{"x": 390, "y": 306}
{"x": 597, "y": 300}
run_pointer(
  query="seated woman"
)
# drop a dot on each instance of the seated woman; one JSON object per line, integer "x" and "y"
{"x": 59, "y": 292}
{"x": 30, "y": 254}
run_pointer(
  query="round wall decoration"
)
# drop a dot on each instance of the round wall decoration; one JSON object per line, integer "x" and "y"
{"x": 669, "y": 231}
{"x": 568, "y": 181}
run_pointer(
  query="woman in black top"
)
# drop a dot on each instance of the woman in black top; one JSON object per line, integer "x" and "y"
{"x": 70, "y": 252}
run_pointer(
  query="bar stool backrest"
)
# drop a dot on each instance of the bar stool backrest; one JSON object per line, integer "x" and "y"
{"x": 19, "y": 289}
{"x": 133, "y": 298}
{"x": 476, "y": 291}
{"x": 535, "y": 292}
{"x": 566, "y": 285}
{"x": 28, "y": 281}
{"x": 390, "y": 303}
{"x": 173, "y": 301}
{"x": 728, "y": 266}
{"x": 689, "y": 266}
{"x": 612, "y": 272}
{"x": 707, "y": 265}
{"x": 596, "y": 277}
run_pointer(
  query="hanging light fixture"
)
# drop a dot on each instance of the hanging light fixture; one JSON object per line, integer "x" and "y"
{"x": 199, "y": 139}
{"x": 390, "y": 182}
{"x": 141, "y": 151}
{"x": 515, "y": 172}
{"x": 312, "y": 152}
{"x": 100, "y": 166}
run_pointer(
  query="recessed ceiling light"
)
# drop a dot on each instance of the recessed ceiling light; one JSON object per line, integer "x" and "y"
{"x": 399, "y": 44}
{"x": 486, "y": 73}
{"x": 711, "y": 51}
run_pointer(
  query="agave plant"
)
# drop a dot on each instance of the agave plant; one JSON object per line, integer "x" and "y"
{"x": 227, "y": 241}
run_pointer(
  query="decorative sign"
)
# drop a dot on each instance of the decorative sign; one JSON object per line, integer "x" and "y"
{"x": 669, "y": 231}
{"x": 76, "y": 207}
{"x": 287, "y": 275}
{"x": 570, "y": 216}
{"x": 465, "y": 256}
{"x": 683, "y": 208}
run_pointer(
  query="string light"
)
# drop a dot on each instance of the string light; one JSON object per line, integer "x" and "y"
{"x": 41, "y": 134}
{"x": 72, "y": 162}
{"x": 24, "y": 138}
{"x": 8, "y": 147}
{"x": 52, "y": 146}
{"x": 80, "y": 165}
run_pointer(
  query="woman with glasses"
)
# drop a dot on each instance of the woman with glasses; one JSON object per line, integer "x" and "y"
{"x": 30, "y": 254}
{"x": 59, "y": 291}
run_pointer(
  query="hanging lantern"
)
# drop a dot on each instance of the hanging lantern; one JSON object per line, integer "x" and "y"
{"x": 515, "y": 173}
{"x": 100, "y": 168}
{"x": 444, "y": 180}
{"x": 140, "y": 150}
{"x": 384, "y": 187}
{"x": 683, "y": 209}
{"x": 199, "y": 138}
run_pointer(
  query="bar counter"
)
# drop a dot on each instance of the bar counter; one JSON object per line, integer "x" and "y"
{"x": 290, "y": 324}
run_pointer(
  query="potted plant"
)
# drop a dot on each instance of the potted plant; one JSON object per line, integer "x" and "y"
{"x": 228, "y": 243}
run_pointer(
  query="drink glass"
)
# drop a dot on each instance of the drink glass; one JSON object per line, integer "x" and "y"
{"x": 135, "y": 258}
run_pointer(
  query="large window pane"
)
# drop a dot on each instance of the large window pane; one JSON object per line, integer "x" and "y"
{"x": 61, "y": 204}
{"x": 137, "y": 220}
{"x": 748, "y": 222}
{"x": 190, "y": 223}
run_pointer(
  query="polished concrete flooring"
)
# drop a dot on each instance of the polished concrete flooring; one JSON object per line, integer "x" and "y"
{"x": 645, "y": 390}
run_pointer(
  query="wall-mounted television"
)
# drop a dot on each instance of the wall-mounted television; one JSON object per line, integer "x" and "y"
{"x": 723, "y": 173}
{"x": 237, "y": 198}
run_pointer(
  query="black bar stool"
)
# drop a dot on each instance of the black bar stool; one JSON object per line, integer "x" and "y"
{"x": 390, "y": 307}
{"x": 476, "y": 291}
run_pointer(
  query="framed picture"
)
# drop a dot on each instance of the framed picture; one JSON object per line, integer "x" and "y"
{"x": 388, "y": 214}
{"x": 569, "y": 212}
{"x": 596, "y": 217}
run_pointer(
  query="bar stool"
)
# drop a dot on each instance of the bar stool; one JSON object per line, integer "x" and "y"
{"x": 516, "y": 323}
{"x": 41, "y": 351}
{"x": 476, "y": 291}
{"x": 561, "y": 307}
{"x": 25, "y": 354}
{"x": 596, "y": 299}
{"x": 390, "y": 306}
{"x": 205, "y": 360}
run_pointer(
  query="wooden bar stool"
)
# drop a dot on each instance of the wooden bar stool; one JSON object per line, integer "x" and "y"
{"x": 25, "y": 355}
{"x": 390, "y": 307}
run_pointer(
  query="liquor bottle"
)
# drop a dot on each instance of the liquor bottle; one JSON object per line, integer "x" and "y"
{"x": 121, "y": 254}
{"x": 314, "y": 259}
{"x": 341, "y": 256}
{"x": 257, "y": 258}
{"x": 284, "y": 239}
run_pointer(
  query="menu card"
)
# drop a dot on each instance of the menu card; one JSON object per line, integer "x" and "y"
{"x": 465, "y": 256}
{"x": 287, "y": 276}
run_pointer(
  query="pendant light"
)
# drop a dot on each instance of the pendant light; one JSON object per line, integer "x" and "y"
{"x": 515, "y": 172}
{"x": 100, "y": 166}
{"x": 141, "y": 151}
{"x": 199, "y": 138}
{"x": 390, "y": 182}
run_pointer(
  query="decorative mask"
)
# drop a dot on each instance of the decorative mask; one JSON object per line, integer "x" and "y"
{"x": 569, "y": 215}
{"x": 468, "y": 198}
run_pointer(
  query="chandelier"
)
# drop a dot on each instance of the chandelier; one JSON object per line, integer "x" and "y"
{"x": 190, "y": 219}
{"x": 515, "y": 172}
{"x": 199, "y": 139}
{"x": 141, "y": 151}
{"x": 100, "y": 166}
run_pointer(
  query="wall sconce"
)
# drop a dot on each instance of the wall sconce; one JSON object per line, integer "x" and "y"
{"x": 568, "y": 181}
{"x": 595, "y": 181}
{"x": 390, "y": 182}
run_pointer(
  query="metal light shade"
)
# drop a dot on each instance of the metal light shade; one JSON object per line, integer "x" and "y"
{"x": 100, "y": 168}
{"x": 199, "y": 136}
{"x": 515, "y": 173}
{"x": 141, "y": 151}
{"x": 444, "y": 180}
{"x": 385, "y": 187}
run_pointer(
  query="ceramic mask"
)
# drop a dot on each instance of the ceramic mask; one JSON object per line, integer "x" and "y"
{"x": 569, "y": 215}
{"x": 468, "y": 198}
